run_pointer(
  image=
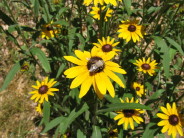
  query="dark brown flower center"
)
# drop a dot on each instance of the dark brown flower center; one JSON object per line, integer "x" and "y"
{"x": 137, "y": 88}
{"x": 129, "y": 112}
{"x": 173, "y": 120}
{"x": 132, "y": 28}
{"x": 49, "y": 28}
{"x": 95, "y": 65}
{"x": 107, "y": 48}
{"x": 146, "y": 66}
{"x": 43, "y": 89}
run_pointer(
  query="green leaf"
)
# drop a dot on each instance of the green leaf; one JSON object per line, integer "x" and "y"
{"x": 120, "y": 106}
{"x": 96, "y": 132}
{"x": 11, "y": 75}
{"x": 62, "y": 22}
{"x": 73, "y": 115}
{"x": 53, "y": 123}
{"x": 46, "y": 112}
{"x": 36, "y": 7}
{"x": 6, "y": 18}
{"x": 80, "y": 134}
{"x": 60, "y": 70}
{"x": 165, "y": 57}
{"x": 176, "y": 45}
{"x": 42, "y": 58}
{"x": 151, "y": 129}
{"x": 128, "y": 4}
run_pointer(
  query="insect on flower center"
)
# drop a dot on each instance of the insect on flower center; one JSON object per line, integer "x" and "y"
{"x": 137, "y": 88}
{"x": 146, "y": 66}
{"x": 129, "y": 112}
{"x": 132, "y": 28}
{"x": 43, "y": 89}
{"x": 173, "y": 120}
{"x": 106, "y": 48}
{"x": 95, "y": 65}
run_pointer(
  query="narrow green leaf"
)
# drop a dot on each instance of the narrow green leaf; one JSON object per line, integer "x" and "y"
{"x": 165, "y": 57}
{"x": 80, "y": 134}
{"x": 46, "y": 112}
{"x": 73, "y": 115}
{"x": 6, "y": 18}
{"x": 53, "y": 123}
{"x": 120, "y": 106}
{"x": 60, "y": 70}
{"x": 176, "y": 45}
{"x": 11, "y": 75}
{"x": 42, "y": 58}
{"x": 151, "y": 129}
{"x": 96, "y": 132}
{"x": 128, "y": 4}
{"x": 36, "y": 7}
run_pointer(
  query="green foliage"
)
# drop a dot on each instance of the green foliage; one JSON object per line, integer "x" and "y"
{"x": 59, "y": 27}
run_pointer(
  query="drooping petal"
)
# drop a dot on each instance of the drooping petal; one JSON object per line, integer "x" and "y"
{"x": 85, "y": 86}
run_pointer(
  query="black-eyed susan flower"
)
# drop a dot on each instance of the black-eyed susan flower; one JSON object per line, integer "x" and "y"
{"x": 95, "y": 2}
{"x": 95, "y": 69}
{"x": 139, "y": 89}
{"x": 96, "y": 11}
{"x": 129, "y": 116}
{"x": 50, "y": 30}
{"x": 130, "y": 30}
{"x": 106, "y": 45}
{"x": 25, "y": 66}
{"x": 113, "y": 2}
{"x": 146, "y": 66}
{"x": 39, "y": 108}
{"x": 171, "y": 120}
{"x": 43, "y": 90}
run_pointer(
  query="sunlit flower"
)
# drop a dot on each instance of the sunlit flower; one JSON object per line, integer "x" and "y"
{"x": 50, "y": 30}
{"x": 130, "y": 30}
{"x": 25, "y": 66}
{"x": 171, "y": 120}
{"x": 139, "y": 89}
{"x": 96, "y": 11}
{"x": 129, "y": 116}
{"x": 43, "y": 90}
{"x": 39, "y": 108}
{"x": 95, "y": 2}
{"x": 56, "y": 1}
{"x": 95, "y": 69}
{"x": 146, "y": 66}
{"x": 106, "y": 45}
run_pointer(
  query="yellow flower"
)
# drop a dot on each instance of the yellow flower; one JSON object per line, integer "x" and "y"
{"x": 25, "y": 66}
{"x": 106, "y": 45}
{"x": 95, "y": 69}
{"x": 43, "y": 89}
{"x": 50, "y": 30}
{"x": 139, "y": 89}
{"x": 113, "y": 133}
{"x": 96, "y": 12}
{"x": 171, "y": 120}
{"x": 113, "y": 2}
{"x": 39, "y": 108}
{"x": 128, "y": 116}
{"x": 56, "y": 1}
{"x": 146, "y": 66}
{"x": 96, "y": 2}
{"x": 130, "y": 30}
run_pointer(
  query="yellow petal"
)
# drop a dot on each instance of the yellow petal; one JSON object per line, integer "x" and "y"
{"x": 115, "y": 69}
{"x": 164, "y": 110}
{"x": 163, "y": 123}
{"x": 162, "y": 116}
{"x": 85, "y": 86}
{"x": 75, "y": 71}
{"x": 75, "y": 60}
{"x": 79, "y": 79}
{"x": 165, "y": 128}
{"x": 100, "y": 83}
